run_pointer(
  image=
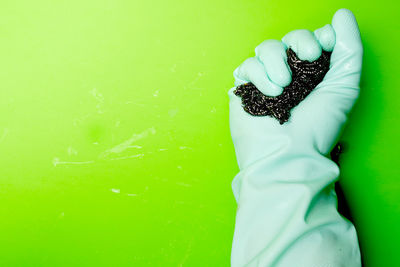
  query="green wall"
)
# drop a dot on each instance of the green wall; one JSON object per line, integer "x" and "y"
{"x": 114, "y": 139}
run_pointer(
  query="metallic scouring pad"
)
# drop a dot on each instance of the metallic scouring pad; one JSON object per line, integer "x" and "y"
{"x": 305, "y": 77}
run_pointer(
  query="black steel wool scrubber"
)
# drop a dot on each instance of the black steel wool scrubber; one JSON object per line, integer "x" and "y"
{"x": 306, "y": 76}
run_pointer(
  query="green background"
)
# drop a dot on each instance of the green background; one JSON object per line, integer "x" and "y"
{"x": 114, "y": 138}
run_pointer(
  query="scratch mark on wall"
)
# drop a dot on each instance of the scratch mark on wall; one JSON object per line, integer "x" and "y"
{"x": 128, "y": 143}
{"x": 96, "y": 94}
{"x": 105, "y": 154}
{"x": 135, "y": 146}
{"x": 71, "y": 151}
{"x": 78, "y": 121}
{"x": 184, "y": 147}
{"x": 135, "y": 103}
{"x": 57, "y": 161}
{"x": 189, "y": 85}
{"x": 184, "y": 184}
{"x": 100, "y": 99}
{"x": 128, "y": 157}
{"x": 173, "y": 68}
{"x": 187, "y": 252}
{"x": 173, "y": 112}
{"x": 195, "y": 80}
{"x": 3, "y": 136}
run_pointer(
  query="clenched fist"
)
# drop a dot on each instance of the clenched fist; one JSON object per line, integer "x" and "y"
{"x": 287, "y": 213}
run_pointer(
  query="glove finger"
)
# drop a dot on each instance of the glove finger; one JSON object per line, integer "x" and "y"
{"x": 252, "y": 70}
{"x": 326, "y": 37}
{"x": 272, "y": 53}
{"x": 304, "y": 44}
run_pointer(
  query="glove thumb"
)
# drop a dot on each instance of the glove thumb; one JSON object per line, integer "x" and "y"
{"x": 325, "y": 110}
{"x": 344, "y": 74}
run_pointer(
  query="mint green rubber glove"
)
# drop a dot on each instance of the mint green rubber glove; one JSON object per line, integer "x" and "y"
{"x": 287, "y": 207}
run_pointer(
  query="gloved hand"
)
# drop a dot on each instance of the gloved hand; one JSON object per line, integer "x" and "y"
{"x": 287, "y": 207}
